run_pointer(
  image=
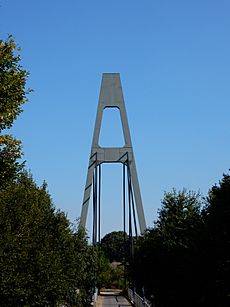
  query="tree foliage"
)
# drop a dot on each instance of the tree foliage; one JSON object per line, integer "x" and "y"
{"x": 114, "y": 245}
{"x": 179, "y": 218}
{"x": 10, "y": 155}
{"x": 110, "y": 274}
{"x": 184, "y": 259}
{"x": 12, "y": 83}
{"x": 12, "y": 96}
{"x": 166, "y": 256}
{"x": 216, "y": 245}
{"x": 43, "y": 261}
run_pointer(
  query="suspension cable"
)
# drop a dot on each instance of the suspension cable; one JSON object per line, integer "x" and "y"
{"x": 124, "y": 218}
{"x": 99, "y": 205}
{"x": 130, "y": 213}
{"x": 96, "y": 204}
{"x": 124, "y": 204}
{"x": 94, "y": 209}
{"x": 133, "y": 208}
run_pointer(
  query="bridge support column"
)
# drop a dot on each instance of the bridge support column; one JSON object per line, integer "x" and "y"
{"x": 111, "y": 96}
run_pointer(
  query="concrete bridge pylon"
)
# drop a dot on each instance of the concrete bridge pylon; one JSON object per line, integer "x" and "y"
{"x": 111, "y": 96}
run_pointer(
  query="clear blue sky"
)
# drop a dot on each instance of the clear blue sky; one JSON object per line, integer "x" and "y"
{"x": 174, "y": 61}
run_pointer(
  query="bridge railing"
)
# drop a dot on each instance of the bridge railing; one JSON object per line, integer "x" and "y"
{"x": 94, "y": 297}
{"x": 137, "y": 300}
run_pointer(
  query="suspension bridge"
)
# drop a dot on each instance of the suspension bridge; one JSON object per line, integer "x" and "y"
{"x": 111, "y": 96}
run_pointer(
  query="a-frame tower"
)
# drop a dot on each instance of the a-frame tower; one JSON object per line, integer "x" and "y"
{"x": 111, "y": 96}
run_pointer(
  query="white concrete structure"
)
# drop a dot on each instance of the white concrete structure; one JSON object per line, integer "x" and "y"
{"x": 111, "y": 96}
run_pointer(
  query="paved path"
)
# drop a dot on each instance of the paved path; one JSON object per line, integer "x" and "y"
{"x": 112, "y": 299}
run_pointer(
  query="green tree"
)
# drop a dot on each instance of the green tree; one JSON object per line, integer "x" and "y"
{"x": 166, "y": 258}
{"x": 113, "y": 245}
{"x": 110, "y": 275}
{"x": 216, "y": 245}
{"x": 10, "y": 155}
{"x": 42, "y": 260}
{"x": 13, "y": 94}
{"x": 114, "y": 252}
{"x": 104, "y": 271}
{"x": 179, "y": 218}
{"x": 12, "y": 83}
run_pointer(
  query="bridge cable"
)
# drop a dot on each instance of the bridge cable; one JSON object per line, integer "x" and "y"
{"x": 124, "y": 220}
{"x": 132, "y": 202}
{"x": 132, "y": 218}
{"x": 93, "y": 208}
{"x": 99, "y": 206}
{"x": 130, "y": 215}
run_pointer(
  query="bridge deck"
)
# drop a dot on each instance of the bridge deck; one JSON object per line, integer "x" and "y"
{"x": 112, "y": 299}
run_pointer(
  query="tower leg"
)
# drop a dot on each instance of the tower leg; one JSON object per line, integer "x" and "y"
{"x": 87, "y": 192}
{"x": 137, "y": 195}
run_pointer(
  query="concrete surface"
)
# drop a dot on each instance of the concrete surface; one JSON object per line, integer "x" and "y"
{"x": 112, "y": 299}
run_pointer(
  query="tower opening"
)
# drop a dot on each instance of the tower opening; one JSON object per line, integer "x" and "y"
{"x": 111, "y": 134}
